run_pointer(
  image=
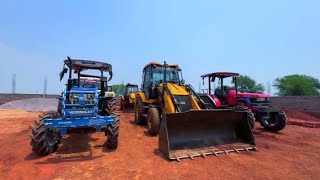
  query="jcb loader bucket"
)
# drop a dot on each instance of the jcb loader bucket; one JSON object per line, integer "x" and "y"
{"x": 204, "y": 132}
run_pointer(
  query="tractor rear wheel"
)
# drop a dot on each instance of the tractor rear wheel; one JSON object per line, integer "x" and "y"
{"x": 110, "y": 106}
{"x": 277, "y": 122}
{"x": 153, "y": 121}
{"x": 112, "y": 132}
{"x": 139, "y": 111}
{"x": 251, "y": 118}
{"x": 44, "y": 141}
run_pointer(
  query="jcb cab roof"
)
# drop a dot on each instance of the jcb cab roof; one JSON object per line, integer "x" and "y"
{"x": 220, "y": 75}
{"x": 131, "y": 85}
{"x": 159, "y": 64}
{"x": 79, "y": 65}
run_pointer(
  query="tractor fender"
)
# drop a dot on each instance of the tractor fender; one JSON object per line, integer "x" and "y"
{"x": 215, "y": 100}
{"x": 141, "y": 95}
{"x": 246, "y": 103}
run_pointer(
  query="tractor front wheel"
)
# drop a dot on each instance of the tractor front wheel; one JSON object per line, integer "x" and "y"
{"x": 112, "y": 132}
{"x": 277, "y": 122}
{"x": 139, "y": 111}
{"x": 44, "y": 141}
{"x": 251, "y": 118}
{"x": 153, "y": 121}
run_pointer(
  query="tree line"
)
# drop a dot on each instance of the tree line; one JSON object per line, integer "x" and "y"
{"x": 291, "y": 85}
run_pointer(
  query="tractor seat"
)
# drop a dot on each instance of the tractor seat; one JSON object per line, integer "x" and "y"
{"x": 218, "y": 93}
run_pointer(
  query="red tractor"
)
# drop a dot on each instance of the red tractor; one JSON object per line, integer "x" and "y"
{"x": 271, "y": 118}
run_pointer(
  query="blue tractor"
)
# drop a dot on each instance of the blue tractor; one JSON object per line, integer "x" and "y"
{"x": 86, "y": 103}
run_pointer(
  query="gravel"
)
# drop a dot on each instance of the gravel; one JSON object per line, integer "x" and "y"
{"x": 32, "y": 104}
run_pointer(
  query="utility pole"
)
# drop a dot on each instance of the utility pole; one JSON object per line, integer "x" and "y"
{"x": 45, "y": 84}
{"x": 13, "y": 85}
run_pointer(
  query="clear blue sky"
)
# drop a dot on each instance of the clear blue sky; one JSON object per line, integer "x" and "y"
{"x": 262, "y": 39}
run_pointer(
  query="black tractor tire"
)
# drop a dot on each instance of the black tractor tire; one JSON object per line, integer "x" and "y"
{"x": 112, "y": 132}
{"x": 153, "y": 121}
{"x": 110, "y": 106}
{"x": 139, "y": 111}
{"x": 279, "y": 123}
{"x": 251, "y": 117}
{"x": 43, "y": 141}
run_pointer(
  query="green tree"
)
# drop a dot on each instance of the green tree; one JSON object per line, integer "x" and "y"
{"x": 297, "y": 85}
{"x": 245, "y": 83}
{"x": 118, "y": 88}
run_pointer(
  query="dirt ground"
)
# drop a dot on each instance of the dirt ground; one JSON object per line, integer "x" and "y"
{"x": 292, "y": 154}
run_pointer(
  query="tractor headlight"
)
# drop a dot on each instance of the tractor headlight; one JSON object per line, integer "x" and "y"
{"x": 90, "y": 96}
{"x": 75, "y": 96}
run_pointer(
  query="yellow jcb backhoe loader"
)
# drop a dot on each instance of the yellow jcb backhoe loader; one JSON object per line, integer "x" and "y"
{"x": 172, "y": 109}
{"x": 128, "y": 97}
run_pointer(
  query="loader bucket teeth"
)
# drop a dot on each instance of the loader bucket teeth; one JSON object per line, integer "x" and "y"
{"x": 204, "y": 132}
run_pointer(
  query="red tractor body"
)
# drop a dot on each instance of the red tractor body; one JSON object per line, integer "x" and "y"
{"x": 253, "y": 101}
{"x": 271, "y": 118}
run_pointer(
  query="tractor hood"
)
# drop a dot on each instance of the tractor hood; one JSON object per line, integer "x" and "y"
{"x": 253, "y": 95}
{"x": 132, "y": 97}
{"x": 175, "y": 89}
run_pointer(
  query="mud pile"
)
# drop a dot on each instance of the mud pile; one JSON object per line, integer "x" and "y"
{"x": 33, "y": 104}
